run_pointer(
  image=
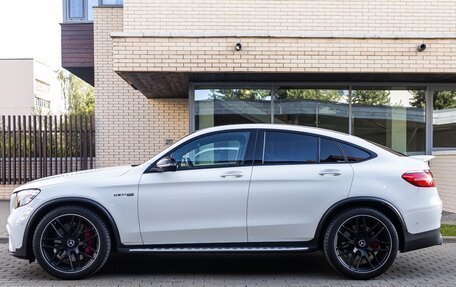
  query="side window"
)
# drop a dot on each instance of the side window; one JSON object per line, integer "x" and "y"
{"x": 329, "y": 151}
{"x": 354, "y": 154}
{"x": 289, "y": 148}
{"x": 215, "y": 150}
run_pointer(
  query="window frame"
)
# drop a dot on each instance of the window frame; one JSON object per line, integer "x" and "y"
{"x": 85, "y": 11}
{"x": 430, "y": 96}
{"x": 67, "y": 12}
{"x": 248, "y": 156}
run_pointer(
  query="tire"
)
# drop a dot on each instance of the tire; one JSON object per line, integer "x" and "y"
{"x": 361, "y": 243}
{"x": 71, "y": 242}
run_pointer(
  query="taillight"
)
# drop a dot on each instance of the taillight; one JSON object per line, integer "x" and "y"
{"x": 420, "y": 179}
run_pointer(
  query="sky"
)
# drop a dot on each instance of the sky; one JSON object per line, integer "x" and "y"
{"x": 30, "y": 29}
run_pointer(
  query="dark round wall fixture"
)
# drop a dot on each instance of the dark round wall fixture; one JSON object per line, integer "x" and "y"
{"x": 421, "y": 47}
{"x": 238, "y": 46}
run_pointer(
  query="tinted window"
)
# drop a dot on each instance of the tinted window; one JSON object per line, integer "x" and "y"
{"x": 330, "y": 152}
{"x": 354, "y": 154}
{"x": 222, "y": 149}
{"x": 282, "y": 147}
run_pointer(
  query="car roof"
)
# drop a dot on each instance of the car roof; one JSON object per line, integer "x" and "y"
{"x": 285, "y": 127}
{"x": 305, "y": 129}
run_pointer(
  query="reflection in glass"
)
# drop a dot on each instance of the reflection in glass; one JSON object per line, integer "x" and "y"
{"x": 391, "y": 117}
{"x": 215, "y": 107}
{"x": 90, "y": 5}
{"x": 111, "y": 2}
{"x": 76, "y": 9}
{"x": 222, "y": 149}
{"x": 444, "y": 119}
{"x": 321, "y": 108}
{"x": 289, "y": 148}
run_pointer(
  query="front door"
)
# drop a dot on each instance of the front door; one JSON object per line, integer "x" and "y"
{"x": 205, "y": 199}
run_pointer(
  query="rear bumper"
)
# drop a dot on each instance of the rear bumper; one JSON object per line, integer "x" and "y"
{"x": 421, "y": 240}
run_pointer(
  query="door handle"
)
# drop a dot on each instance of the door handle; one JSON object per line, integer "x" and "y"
{"x": 333, "y": 172}
{"x": 233, "y": 173}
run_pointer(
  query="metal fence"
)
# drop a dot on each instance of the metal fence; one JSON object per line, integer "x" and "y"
{"x": 32, "y": 147}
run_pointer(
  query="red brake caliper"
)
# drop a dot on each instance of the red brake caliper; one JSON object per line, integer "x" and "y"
{"x": 375, "y": 246}
{"x": 87, "y": 235}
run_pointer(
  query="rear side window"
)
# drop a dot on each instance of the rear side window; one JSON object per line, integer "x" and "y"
{"x": 330, "y": 152}
{"x": 289, "y": 148}
{"x": 353, "y": 153}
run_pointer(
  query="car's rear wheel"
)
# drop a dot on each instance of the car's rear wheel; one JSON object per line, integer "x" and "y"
{"x": 361, "y": 243}
{"x": 71, "y": 242}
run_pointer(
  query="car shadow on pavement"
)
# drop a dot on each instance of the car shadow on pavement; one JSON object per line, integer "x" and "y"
{"x": 219, "y": 264}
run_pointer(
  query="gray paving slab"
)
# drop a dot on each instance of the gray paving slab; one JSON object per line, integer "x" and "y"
{"x": 449, "y": 218}
{"x": 433, "y": 266}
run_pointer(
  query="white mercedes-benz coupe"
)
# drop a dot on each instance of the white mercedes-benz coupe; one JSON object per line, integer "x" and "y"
{"x": 238, "y": 188}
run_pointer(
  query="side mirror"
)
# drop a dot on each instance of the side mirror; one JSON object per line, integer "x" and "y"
{"x": 166, "y": 164}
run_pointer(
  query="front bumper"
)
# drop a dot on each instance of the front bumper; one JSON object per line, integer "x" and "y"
{"x": 421, "y": 240}
{"x": 17, "y": 222}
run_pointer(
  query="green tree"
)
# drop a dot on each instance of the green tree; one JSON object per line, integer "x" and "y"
{"x": 442, "y": 100}
{"x": 239, "y": 94}
{"x": 78, "y": 95}
{"x": 310, "y": 94}
{"x": 371, "y": 97}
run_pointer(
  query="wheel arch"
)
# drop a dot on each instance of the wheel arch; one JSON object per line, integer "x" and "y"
{"x": 27, "y": 249}
{"x": 384, "y": 206}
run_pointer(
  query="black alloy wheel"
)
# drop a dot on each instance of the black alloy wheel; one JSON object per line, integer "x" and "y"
{"x": 361, "y": 243}
{"x": 71, "y": 242}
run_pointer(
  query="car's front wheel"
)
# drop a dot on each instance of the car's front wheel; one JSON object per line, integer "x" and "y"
{"x": 361, "y": 243}
{"x": 71, "y": 242}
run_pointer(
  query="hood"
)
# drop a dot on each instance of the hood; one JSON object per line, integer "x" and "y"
{"x": 86, "y": 175}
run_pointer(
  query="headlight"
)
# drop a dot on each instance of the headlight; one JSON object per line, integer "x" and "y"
{"x": 24, "y": 197}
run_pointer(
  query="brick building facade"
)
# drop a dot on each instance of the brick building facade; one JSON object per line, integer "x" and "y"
{"x": 160, "y": 66}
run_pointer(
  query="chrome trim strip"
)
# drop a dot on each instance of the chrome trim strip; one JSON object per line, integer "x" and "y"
{"x": 220, "y": 249}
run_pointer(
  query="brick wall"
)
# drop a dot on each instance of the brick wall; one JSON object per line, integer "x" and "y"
{"x": 354, "y": 16}
{"x": 6, "y": 190}
{"x": 130, "y": 128}
{"x": 282, "y": 54}
{"x": 444, "y": 169}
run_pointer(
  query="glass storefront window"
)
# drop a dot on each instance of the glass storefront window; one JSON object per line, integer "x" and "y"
{"x": 322, "y": 108}
{"x": 444, "y": 119}
{"x": 393, "y": 117}
{"x": 224, "y": 106}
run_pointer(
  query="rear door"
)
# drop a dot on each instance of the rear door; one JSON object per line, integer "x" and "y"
{"x": 295, "y": 179}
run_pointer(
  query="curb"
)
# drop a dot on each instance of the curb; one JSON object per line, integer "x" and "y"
{"x": 446, "y": 239}
{"x": 449, "y": 239}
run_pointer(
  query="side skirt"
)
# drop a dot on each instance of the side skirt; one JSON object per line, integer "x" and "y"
{"x": 219, "y": 248}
